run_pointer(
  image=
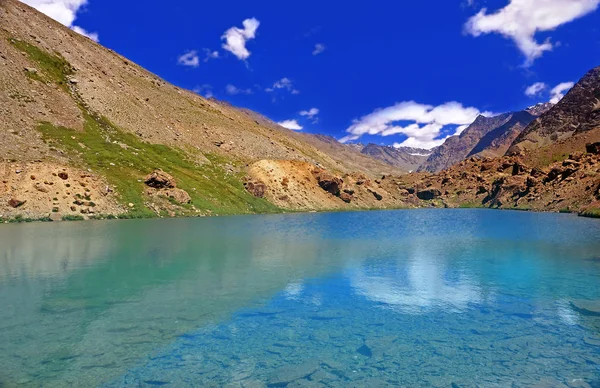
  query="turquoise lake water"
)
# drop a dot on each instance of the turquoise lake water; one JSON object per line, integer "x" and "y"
{"x": 442, "y": 298}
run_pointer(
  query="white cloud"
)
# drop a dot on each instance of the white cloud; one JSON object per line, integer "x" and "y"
{"x": 190, "y": 59}
{"x": 312, "y": 112}
{"x": 285, "y": 84}
{"x": 210, "y": 54}
{"x": 536, "y": 89}
{"x": 64, "y": 12}
{"x": 520, "y": 20}
{"x": 92, "y": 35}
{"x": 291, "y": 124}
{"x": 460, "y": 129}
{"x": 233, "y": 90}
{"x": 236, "y": 38}
{"x": 204, "y": 90}
{"x": 425, "y": 122}
{"x": 558, "y": 92}
{"x": 319, "y": 48}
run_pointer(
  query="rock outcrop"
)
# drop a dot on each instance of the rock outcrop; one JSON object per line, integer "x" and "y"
{"x": 577, "y": 112}
{"x": 159, "y": 179}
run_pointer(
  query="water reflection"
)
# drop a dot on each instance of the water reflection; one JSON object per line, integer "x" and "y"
{"x": 81, "y": 303}
{"x": 419, "y": 280}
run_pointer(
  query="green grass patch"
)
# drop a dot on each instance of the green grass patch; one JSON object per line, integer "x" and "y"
{"x": 470, "y": 205}
{"x": 591, "y": 212}
{"x": 50, "y": 67}
{"x": 19, "y": 218}
{"x": 71, "y": 217}
{"x": 125, "y": 160}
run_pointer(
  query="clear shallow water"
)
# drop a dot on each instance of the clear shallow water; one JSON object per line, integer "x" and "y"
{"x": 412, "y": 298}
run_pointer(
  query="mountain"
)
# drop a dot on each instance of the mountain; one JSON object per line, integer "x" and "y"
{"x": 539, "y": 109}
{"x": 405, "y": 158}
{"x": 87, "y": 133}
{"x": 577, "y": 113}
{"x": 497, "y": 141}
{"x": 456, "y": 148}
{"x": 83, "y": 128}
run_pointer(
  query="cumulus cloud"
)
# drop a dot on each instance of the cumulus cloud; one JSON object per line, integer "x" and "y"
{"x": 190, "y": 59}
{"x": 520, "y": 20}
{"x": 422, "y": 124}
{"x": 236, "y": 38}
{"x": 291, "y": 124}
{"x": 536, "y": 89}
{"x": 232, "y": 90}
{"x": 319, "y": 48}
{"x": 558, "y": 92}
{"x": 285, "y": 84}
{"x": 64, "y": 12}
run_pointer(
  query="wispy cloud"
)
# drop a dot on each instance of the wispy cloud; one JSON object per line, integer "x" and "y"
{"x": 319, "y": 48}
{"x": 64, "y": 12}
{"x": 205, "y": 90}
{"x": 236, "y": 38}
{"x": 311, "y": 114}
{"x": 283, "y": 84}
{"x": 536, "y": 89}
{"x": 233, "y": 90}
{"x": 190, "y": 59}
{"x": 520, "y": 20}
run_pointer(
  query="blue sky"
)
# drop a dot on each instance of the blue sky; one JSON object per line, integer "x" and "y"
{"x": 389, "y": 72}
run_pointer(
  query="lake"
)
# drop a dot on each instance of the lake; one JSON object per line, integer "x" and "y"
{"x": 442, "y": 298}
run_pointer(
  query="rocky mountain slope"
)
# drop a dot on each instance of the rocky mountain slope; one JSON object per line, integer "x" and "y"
{"x": 86, "y": 133}
{"x": 496, "y": 142}
{"x": 69, "y": 104}
{"x": 577, "y": 112}
{"x": 485, "y": 137}
{"x": 456, "y": 148}
{"x": 405, "y": 158}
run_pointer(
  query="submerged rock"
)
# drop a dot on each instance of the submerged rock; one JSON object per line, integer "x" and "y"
{"x": 587, "y": 307}
{"x": 289, "y": 373}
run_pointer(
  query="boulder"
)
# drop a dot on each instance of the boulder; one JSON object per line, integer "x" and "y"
{"x": 518, "y": 168}
{"x": 536, "y": 172}
{"x": 377, "y": 196}
{"x": 160, "y": 180}
{"x": 178, "y": 195}
{"x": 328, "y": 182}
{"x": 13, "y": 202}
{"x": 429, "y": 194}
{"x": 593, "y": 148}
{"x": 256, "y": 188}
{"x": 346, "y": 197}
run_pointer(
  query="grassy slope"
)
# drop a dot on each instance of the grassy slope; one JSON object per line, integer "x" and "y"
{"x": 124, "y": 159}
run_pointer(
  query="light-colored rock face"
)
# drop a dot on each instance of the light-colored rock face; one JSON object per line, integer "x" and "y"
{"x": 36, "y": 190}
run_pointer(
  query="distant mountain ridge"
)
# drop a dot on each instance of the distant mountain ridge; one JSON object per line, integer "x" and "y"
{"x": 406, "y": 158}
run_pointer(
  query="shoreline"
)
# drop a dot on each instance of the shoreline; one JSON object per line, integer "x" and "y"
{"x": 47, "y": 219}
